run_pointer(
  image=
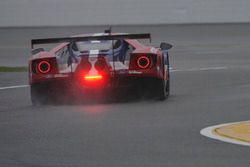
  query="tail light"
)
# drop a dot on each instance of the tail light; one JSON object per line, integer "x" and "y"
{"x": 96, "y": 81}
{"x": 93, "y": 71}
{"x": 143, "y": 62}
{"x": 44, "y": 67}
{"x": 93, "y": 77}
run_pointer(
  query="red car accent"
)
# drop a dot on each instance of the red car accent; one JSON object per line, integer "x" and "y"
{"x": 61, "y": 66}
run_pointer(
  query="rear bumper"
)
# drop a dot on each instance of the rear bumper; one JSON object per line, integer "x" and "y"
{"x": 70, "y": 84}
{"x": 120, "y": 88}
{"x": 121, "y": 76}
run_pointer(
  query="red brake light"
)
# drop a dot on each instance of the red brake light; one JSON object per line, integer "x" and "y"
{"x": 143, "y": 62}
{"x": 93, "y": 77}
{"x": 44, "y": 67}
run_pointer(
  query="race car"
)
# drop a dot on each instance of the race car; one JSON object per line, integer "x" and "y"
{"x": 102, "y": 62}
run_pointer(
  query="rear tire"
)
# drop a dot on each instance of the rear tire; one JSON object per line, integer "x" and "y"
{"x": 168, "y": 84}
{"x": 39, "y": 94}
{"x": 161, "y": 90}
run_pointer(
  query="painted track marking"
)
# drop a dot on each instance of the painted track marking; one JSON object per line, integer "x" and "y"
{"x": 209, "y": 132}
{"x": 198, "y": 69}
{"x": 14, "y": 87}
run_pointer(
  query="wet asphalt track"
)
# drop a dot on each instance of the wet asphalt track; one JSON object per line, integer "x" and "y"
{"x": 134, "y": 133}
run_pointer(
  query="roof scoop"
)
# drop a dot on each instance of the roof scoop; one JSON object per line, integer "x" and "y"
{"x": 108, "y": 31}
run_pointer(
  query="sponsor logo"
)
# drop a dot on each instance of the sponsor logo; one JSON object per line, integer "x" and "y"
{"x": 134, "y": 72}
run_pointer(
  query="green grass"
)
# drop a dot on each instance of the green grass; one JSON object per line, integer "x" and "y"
{"x": 13, "y": 69}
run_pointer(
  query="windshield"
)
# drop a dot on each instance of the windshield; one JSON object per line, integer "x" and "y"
{"x": 96, "y": 45}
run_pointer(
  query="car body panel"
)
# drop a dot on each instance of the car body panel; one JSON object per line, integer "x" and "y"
{"x": 62, "y": 70}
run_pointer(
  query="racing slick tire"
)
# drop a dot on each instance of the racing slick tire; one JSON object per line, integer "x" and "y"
{"x": 39, "y": 94}
{"x": 162, "y": 89}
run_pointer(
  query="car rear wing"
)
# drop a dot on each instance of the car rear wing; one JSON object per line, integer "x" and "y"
{"x": 89, "y": 38}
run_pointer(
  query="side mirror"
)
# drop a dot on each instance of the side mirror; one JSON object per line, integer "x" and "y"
{"x": 35, "y": 51}
{"x": 165, "y": 46}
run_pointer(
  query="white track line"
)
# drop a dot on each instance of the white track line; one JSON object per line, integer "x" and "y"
{"x": 198, "y": 69}
{"x": 208, "y": 132}
{"x": 14, "y": 87}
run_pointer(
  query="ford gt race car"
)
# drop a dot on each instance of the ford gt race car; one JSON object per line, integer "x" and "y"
{"x": 104, "y": 62}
